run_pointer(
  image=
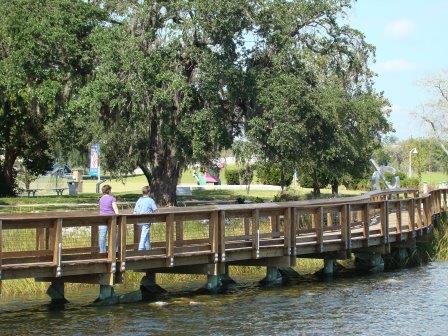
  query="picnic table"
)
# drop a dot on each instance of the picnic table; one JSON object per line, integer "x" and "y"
{"x": 32, "y": 192}
{"x": 59, "y": 191}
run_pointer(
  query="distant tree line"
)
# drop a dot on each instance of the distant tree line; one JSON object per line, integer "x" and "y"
{"x": 430, "y": 156}
{"x": 163, "y": 84}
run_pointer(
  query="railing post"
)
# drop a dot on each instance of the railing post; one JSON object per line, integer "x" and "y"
{"x": 411, "y": 215}
{"x": 180, "y": 233}
{"x": 366, "y": 222}
{"x": 274, "y": 226}
{"x": 294, "y": 220}
{"x": 214, "y": 239}
{"x": 385, "y": 221}
{"x": 246, "y": 222}
{"x": 94, "y": 233}
{"x": 137, "y": 229}
{"x": 345, "y": 226}
{"x": 112, "y": 243}
{"x": 399, "y": 219}
{"x": 419, "y": 214}
{"x": 256, "y": 233}
{"x": 122, "y": 242}
{"x": 169, "y": 221}
{"x": 222, "y": 235}
{"x": 57, "y": 246}
{"x": 428, "y": 213}
{"x": 319, "y": 226}
{"x": 287, "y": 231}
{"x": 40, "y": 238}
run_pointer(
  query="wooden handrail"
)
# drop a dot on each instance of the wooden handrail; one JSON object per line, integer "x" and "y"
{"x": 342, "y": 221}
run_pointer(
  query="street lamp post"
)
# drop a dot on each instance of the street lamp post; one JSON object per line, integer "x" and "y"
{"x": 412, "y": 151}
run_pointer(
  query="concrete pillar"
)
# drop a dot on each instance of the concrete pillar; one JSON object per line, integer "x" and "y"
{"x": 56, "y": 292}
{"x": 149, "y": 289}
{"x": 218, "y": 279}
{"x": 214, "y": 284}
{"x": 273, "y": 277}
{"x": 328, "y": 269}
{"x": 369, "y": 262}
{"x": 106, "y": 297}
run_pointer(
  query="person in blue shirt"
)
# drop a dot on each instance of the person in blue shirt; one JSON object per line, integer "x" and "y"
{"x": 145, "y": 205}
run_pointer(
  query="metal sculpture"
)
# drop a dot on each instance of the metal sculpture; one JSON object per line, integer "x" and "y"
{"x": 379, "y": 175}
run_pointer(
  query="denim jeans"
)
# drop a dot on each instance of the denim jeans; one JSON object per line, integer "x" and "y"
{"x": 145, "y": 237}
{"x": 102, "y": 238}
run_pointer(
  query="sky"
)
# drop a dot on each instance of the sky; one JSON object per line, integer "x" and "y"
{"x": 411, "y": 43}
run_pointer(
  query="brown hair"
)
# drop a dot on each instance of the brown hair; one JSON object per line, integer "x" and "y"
{"x": 105, "y": 189}
{"x": 145, "y": 190}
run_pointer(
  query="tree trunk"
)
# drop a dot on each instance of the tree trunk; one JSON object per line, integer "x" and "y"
{"x": 316, "y": 188}
{"x": 8, "y": 176}
{"x": 335, "y": 187}
{"x": 162, "y": 180}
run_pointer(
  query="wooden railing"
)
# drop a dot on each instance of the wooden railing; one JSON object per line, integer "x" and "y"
{"x": 66, "y": 244}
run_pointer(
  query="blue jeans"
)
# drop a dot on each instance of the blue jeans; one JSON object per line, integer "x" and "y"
{"x": 102, "y": 238}
{"x": 145, "y": 237}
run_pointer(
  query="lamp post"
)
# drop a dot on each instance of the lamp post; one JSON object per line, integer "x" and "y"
{"x": 412, "y": 151}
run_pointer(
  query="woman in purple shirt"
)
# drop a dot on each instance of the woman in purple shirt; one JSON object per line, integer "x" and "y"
{"x": 108, "y": 206}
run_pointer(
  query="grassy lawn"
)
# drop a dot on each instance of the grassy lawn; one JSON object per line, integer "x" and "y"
{"x": 434, "y": 178}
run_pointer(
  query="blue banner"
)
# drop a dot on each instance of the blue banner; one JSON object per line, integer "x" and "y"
{"x": 94, "y": 160}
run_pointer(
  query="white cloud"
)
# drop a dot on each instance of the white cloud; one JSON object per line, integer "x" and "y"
{"x": 399, "y": 29}
{"x": 396, "y": 65}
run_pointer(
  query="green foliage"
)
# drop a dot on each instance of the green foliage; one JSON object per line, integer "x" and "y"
{"x": 232, "y": 176}
{"x": 44, "y": 59}
{"x": 238, "y": 176}
{"x": 410, "y": 182}
{"x": 274, "y": 174}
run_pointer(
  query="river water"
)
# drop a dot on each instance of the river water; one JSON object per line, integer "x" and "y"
{"x": 406, "y": 302}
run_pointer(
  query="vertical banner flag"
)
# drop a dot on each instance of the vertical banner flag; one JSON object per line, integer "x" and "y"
{"x": 94, "y": 159}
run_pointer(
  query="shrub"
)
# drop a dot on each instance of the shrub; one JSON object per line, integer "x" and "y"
{"x": 270, "y": 174}
{"x": 237, "y": 176}
{"x": 232, "y": 176}
{"x": 410, "y": 182}
{"x": 363, "y": 184}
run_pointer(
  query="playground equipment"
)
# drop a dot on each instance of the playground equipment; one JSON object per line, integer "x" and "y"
{"x": 211, "y": 174}
{"x": 379, "y": 174}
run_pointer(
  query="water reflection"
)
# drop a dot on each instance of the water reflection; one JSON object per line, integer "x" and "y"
{"x": 409, "y": 302}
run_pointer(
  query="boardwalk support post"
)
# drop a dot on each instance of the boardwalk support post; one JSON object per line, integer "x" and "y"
{"x": 328, "y": 269}
{"x": 218, "y": 279}
{"x": 56, "y": 292}
{"x": 149, "y": 288}
{"x": 273, "y": 277}
{"x": 369, "y": 262}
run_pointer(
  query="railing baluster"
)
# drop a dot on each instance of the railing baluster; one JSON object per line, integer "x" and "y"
{"x": 222, "y": 235}
{"x": 112, "y": 243}
{"x": 122, "y": 242}
{"x": 256, "y": 233}
{"x": 385, "y": 221}
{"x": 57, "y": 246}
{"x": 214, "y": 239}
{"x": 345, "y": 226}
{"x": 287, "y": 231}
{"x": 180, "y": 233}
{"x": 411, "y": 216}
{"x": 294, "y": 224}
{"x": 94, "y": 233}
{"x": 319, "y": 226}
{"x": 366, "y": 222}
{"x": 169, "y": 221}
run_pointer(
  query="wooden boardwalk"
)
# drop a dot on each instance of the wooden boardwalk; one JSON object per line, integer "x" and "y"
{"x": 64, "y": 246}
